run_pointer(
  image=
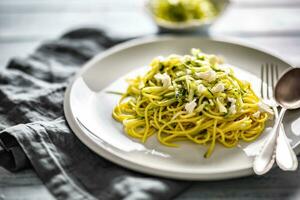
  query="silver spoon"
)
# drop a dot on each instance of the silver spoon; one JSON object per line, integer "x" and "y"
{"x": 287, "y": 95}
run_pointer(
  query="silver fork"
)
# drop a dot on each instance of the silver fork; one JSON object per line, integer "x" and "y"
{"x": 269, "y": 76}
{"x": 264, "y": 161}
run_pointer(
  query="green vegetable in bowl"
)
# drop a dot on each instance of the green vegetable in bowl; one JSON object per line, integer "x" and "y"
{"x": 184, "y": 10}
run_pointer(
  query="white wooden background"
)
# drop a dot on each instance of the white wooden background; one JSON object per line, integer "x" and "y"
{"x": 271, "y": 24}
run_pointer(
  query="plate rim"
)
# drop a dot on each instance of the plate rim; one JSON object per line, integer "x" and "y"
{"x": 91, "y": 144}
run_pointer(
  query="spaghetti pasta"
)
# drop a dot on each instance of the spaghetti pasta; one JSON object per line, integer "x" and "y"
{"x": 192, "y": 98}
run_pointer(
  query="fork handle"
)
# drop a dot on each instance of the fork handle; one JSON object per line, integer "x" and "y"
{"x": 265, "y": 159}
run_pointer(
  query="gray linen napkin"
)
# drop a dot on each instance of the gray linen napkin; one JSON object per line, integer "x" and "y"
{"x": 34, "y": 132}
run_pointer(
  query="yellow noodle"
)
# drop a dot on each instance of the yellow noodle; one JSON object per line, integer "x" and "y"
{"x": 149, "y": 106}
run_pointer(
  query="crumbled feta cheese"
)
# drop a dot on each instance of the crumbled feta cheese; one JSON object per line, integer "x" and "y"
{"x": 201, "y": 54}
{"x": 231, "y": 100}
{"x": 174, "y": 2}
{"x": 193, "y": 59}
{"x": 164, "y": 78}
{"x": 265, "y": 108}
{"x": 161, "y": 58}
{"x": 221, "y": 107}
{"x": 198, "y": 82}
{"x": 225, "y": 68}
{"x": 209, "y": 75}
{"x": 141, "y": 85}
{"x": 201, "y": 88}
{"x": 256, "y": 114}
{"x": 195, "y": 51}
{"x": 218, "y": 88}
{"x": 189, "y": 107}
{"x": 188, "y": 71}
{"x": 185, "y": 58}
{"x": 232, "y": 109}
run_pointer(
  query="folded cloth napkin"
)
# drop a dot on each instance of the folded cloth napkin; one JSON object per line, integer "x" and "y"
{"x": 34, "y": 131}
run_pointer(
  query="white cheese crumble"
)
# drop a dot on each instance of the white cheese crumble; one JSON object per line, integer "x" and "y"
{"x": 231, "y": 100}
{"x": 232, "y": 109}
{"x": 201, "y": 88}
{"x": 189, "y": 107}
{"x": 195, "y": 51}
{"x": 161, "y": 58}
{"x": 174, "y": 2}
{"x": 141, "y": 85}
{"x": 185, "y": 58}
{"x": 218, "y": 88}
{"x": 209, "y": 75}
{"x": 265, "y": 108}
{"x": 164, "y": 78}
{"x": 221, "y": 107}
{"x": 198, "y": 82}
{"x": 225, "y": 68}
{"x": 256, "y": 114}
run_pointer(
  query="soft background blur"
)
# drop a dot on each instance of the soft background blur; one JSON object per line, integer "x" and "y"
{"x": 271, "y": 24}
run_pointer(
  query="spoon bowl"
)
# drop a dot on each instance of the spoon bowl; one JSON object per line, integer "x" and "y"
{"x": 287, "y": 90}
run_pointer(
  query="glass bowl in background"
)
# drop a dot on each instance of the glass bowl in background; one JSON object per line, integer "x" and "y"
{"x": 190, "y": 25}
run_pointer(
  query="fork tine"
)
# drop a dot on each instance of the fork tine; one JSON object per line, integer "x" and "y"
{"x": 268, "y": 80}
{"x": 264, "y": 82}
{"x": 275, "y": 76}
{"x": 276, "y": 73}
{"x": 262, "y": 74}
{"x": 273, "y": 80}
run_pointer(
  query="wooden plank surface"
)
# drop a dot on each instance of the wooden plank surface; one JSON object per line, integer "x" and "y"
{"x": 270, "y": 24}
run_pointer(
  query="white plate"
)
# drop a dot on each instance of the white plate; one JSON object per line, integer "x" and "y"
{"x": 88, "y": 109}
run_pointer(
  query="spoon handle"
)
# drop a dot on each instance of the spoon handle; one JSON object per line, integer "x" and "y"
{"x": 264, "y": 161}
{"x": 285, "y": 156}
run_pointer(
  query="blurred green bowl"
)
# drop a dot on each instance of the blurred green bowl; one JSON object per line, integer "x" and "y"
{"x": 191, "y": 25}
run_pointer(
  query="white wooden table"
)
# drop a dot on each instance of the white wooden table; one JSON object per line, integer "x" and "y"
{"x": 270, "y": 24}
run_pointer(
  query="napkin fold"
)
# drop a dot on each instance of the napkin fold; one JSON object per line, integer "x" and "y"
{"x": 34, "y": 132}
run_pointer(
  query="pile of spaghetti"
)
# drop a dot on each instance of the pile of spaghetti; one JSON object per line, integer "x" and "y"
{"x": 192, "y": 98}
